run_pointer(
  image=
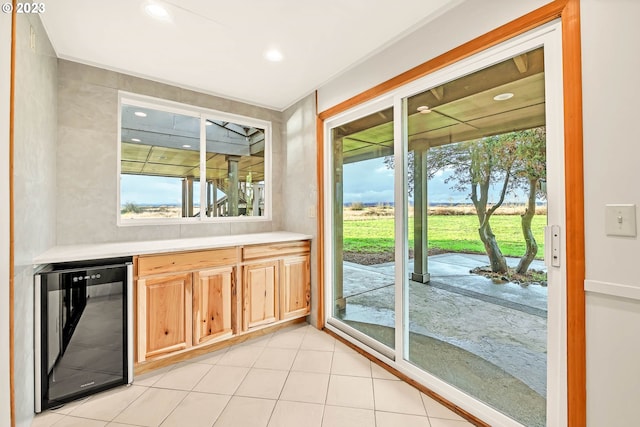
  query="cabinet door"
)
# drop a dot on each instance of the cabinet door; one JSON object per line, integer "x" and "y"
{"x": 212, "y": 291}
{"x": 164, "y": 315}
{"x": 295, "y": 290}
{"x": 260, "y": 294}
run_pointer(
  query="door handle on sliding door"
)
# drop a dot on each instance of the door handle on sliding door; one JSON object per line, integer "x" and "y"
{"x": 552, "y": 246}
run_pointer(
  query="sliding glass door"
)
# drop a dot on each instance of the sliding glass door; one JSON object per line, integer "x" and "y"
{"x": 441, "y": 195}
{"x": 477, "y": 294}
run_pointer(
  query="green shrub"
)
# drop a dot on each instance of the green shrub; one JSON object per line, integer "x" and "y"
{"x": 357, "y": 206}
{"x": 131, "y": 207}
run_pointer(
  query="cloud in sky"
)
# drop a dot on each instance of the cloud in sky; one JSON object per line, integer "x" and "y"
{"x": 370, "y": 181}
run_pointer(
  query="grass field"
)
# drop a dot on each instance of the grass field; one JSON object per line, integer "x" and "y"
{"x": 452, "y": 233}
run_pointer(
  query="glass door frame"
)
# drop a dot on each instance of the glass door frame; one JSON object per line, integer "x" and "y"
{"x": 548, "y": 36}
{"x": 336, "y": 325}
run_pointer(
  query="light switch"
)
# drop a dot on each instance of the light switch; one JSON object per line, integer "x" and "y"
{"x": 311, "y": 211}
{"x": 620, "y": 220}
{"x": 32, "y": 42}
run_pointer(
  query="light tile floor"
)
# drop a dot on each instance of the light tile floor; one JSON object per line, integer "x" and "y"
{"x": 298, "y": 376}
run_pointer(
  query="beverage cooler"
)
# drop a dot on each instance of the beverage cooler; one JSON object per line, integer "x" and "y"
{"x": 83, "y": 329}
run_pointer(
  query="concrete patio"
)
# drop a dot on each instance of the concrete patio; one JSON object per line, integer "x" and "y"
{"x": 485, "y": 338}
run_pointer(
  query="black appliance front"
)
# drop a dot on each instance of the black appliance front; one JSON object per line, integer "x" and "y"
{"x": 83, "y": 338}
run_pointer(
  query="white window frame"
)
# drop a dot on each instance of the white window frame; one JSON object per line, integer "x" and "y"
{"x": 203, "y": 114}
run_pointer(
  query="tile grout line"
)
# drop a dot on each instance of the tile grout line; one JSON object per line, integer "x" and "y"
{"x": 236, "y": 389}
{"x": 185, "y": 396}
{"x": 373, "y": 391}
{"x": 425, "y": 407}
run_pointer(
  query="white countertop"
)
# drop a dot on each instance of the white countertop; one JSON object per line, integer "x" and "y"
{"x": 121, "y": 249}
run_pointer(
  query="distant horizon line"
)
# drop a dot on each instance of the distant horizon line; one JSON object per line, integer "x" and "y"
{"x": 367, "y": 204}
{"x": 371, "y": 204}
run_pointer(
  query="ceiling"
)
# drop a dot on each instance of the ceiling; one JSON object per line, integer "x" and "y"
{"x": 219, "y": 47}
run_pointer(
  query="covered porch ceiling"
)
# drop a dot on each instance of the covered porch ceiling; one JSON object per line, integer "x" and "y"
{"x": 460, "y": 110}
{"x": 161, "y": 143}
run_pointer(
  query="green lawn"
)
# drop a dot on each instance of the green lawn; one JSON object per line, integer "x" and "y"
{"x": 455, "y": 233}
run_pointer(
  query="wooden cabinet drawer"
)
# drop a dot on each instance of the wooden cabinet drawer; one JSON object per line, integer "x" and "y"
{"x": 275, "y": 250}
{"x": 185, "y": 261}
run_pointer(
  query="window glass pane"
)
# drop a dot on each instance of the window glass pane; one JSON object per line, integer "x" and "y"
{"x": 363, "y": 227}
{"x": 160, "y": 164}
{"x": 235, "y": 169}
{"x": 477, "y": 295}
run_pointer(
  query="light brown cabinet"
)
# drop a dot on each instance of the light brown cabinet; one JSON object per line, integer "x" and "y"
{"x": 276, "y": 283}
{"x": 164, "y": 314}
{"x": 295, "y": 289}
{"x": 191, "y": 299}
{"x": 260, "y": 293}
{"x": 176, "y": 311}
{"x": 212, "y": 307}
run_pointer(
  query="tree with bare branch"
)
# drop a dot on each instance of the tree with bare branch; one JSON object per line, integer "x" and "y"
{"x": 478, "y": 166}
{"x": 529, "y": 170}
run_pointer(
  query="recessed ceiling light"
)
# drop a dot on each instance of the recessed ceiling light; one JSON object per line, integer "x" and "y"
{"x": 140, "y": 114}
{"x": 135, "y": 139}
{"x": 157, "y": 11}
{"x": 503, "y": 96}
{"x": 423, "y": 109}
{"x": 186, "y": 146}
{"x": 273, "y": 55}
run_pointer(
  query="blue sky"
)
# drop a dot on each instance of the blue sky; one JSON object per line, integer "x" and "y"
{"x": 154, "y": 190}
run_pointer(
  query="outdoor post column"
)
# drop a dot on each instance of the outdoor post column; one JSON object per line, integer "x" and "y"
{"x": 232, "y": 190}
{"x": 420, "y": 250}
{"x": 211, "y": 198}
{"x": 256, "y": 199}
{"x": 187, "y": 197}
{"x": 214, "y": 197}
{"x": 208, "y": 193}
{"x": 338, "y": 232}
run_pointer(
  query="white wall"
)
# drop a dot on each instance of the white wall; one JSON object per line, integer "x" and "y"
{"x": 610, "y": 35}
{"x": 457, "y": 26}
{"x": 34, "y": 188}
{"x": 299, "y": 187}
{"x": 5, "y": 76}
{"x": 87, "y": 157}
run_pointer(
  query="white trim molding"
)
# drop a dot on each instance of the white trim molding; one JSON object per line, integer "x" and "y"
{"x": 612, "y": 289}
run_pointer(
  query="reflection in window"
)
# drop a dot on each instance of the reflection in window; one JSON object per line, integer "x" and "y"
{"x": 163, "y": 157}
{"x": 235, "y": 169}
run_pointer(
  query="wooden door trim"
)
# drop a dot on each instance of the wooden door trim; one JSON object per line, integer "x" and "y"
{"x": 574, "y": 194}
{"x": 320, "y": 316}
{"x": 12, "y": 93}
{"x": 569, "y": 13}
